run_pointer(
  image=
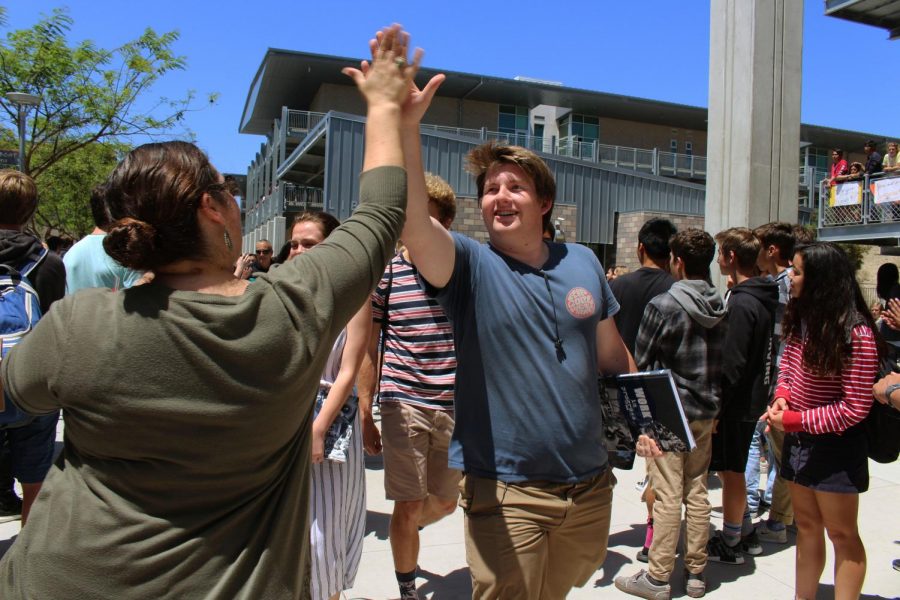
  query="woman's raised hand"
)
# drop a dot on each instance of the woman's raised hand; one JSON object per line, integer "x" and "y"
{"x": 388, "y": 78}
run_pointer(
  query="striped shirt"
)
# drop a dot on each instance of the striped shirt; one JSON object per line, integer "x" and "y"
{"x": 419, "y": 360}
{"x": 823, "y": 404}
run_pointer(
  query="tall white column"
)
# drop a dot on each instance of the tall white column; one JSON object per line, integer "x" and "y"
{"x": 753, "y": 143}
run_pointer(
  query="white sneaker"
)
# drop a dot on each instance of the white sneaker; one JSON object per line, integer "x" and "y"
{"x": 638, "y": 585}
{"x": 768, "y": 535}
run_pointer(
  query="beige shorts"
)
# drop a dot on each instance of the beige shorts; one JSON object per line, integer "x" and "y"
{"x": 415, "y": 442}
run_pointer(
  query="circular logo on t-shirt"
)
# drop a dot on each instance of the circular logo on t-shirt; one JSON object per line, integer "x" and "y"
{"x": 580, "y": 303}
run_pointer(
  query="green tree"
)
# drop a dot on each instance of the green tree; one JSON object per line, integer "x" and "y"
{"x": 856, "y": 253}
{"x": 89, "y": 96}
{"x": 66, "y": 187}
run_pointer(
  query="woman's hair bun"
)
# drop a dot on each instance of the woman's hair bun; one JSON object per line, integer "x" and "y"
{"x": 132, "y": 243}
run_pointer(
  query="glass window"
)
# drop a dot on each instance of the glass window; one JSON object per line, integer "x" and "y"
{"x": 689, "y": 148}
{"x": 585, "y": 128}
{"x": 513, "y": 119}
{"x": 673, "y": 145}
{"x": 565, "y": 125}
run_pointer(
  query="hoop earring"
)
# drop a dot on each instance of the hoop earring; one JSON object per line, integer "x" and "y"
{"x": 228, "y": 243}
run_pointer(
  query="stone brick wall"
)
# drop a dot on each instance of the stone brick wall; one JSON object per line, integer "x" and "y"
{"x": 629, "y": 224}
{"x": 468, "y": 222}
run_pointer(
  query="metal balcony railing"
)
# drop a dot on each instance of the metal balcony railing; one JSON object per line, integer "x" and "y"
{"x": 624, "y": 157}
{"x": 298, "y": 198}
{"x": 870, "y": 200}
{"x": 301, "y": 121}
{"x": 681, "y": 165}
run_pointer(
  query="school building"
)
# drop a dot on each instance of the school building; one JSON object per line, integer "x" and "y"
{"x": 617, "y": 159}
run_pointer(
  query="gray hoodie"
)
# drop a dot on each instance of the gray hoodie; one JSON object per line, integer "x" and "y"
{"x": 700, "y": 300}
{"x": 683, "y": 330}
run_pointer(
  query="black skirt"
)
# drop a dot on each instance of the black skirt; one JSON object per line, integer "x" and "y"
{"x": 827, "y": 462}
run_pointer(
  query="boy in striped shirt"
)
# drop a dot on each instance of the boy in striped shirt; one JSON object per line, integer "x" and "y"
{"x": 416, "y": 396}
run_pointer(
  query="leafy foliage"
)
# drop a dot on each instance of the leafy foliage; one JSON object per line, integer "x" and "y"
{"x": 856, "y": 253}
{"x": 90, "y": 96}
{"x": 67, "y": 184}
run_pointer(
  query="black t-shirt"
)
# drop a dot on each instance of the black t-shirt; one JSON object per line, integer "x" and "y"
{"x": 873, "y": 163}
{"x": 634, "y": 291}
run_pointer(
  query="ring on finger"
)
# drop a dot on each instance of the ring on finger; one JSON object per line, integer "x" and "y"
{"x": 400, "y": 62}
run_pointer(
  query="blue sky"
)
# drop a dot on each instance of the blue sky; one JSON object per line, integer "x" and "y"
{"x": 654, "y": 49}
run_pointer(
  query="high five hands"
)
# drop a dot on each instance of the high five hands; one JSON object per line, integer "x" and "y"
{"x": 379, "y": 80}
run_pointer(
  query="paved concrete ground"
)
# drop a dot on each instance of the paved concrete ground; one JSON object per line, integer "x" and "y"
{"x": 444, "y": 575}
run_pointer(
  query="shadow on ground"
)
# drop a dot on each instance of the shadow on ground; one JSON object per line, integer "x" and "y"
{"x": 452, "y": 586}
{"x": 634, "y": 538}
{"x": 374, "y": 463}
{"x": 716, "y": 573}
{"x": 611, "y": 567}
{"x": 378, "y": 523}
{"x": 826, "y": 592}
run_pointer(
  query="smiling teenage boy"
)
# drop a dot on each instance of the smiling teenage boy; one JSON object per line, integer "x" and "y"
{"x": 537, "y": 488}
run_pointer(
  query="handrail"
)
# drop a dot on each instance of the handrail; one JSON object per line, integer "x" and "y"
{"x": 303, "y": 120}
{"x": 297, "y": 198}
{"x": 867, "y": 211}
{"x": 625, "y": 157}
{"x": 301, "y": 123}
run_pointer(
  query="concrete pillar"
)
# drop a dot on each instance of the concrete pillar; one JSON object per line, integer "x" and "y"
{"x": 753, "y": 144}
{"x": 279, "y": 235}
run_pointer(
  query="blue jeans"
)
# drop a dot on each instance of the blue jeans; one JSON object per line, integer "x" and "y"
{"x": 31, "y": 448}
{"x": 752, "y": 472}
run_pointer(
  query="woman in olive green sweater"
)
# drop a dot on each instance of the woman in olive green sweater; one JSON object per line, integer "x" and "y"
{"x": 186, "y": 465}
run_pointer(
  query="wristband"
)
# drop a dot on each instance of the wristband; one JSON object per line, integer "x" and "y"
{"x": 890, "y": 390}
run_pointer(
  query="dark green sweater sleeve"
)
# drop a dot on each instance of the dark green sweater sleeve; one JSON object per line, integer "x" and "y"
{"x": 30, "y": 372}
{"x": 341, "y": 272}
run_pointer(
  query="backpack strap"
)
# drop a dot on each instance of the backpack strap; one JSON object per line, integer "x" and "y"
{"x": 23, "y": 270}
{"x": 384, "y": 323}
{"x": 33, "y": 261}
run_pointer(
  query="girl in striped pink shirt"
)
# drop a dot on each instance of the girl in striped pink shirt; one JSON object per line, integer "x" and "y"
{"x": 824, "y": 392}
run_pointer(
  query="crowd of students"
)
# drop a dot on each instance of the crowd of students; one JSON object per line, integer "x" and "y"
{"x": 187, "y": 474}
{"x": 841, "y": 171}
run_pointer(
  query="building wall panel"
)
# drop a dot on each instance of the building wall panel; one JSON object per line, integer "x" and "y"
{"x": 598, "y": 193}
{"x": 621, "y": 132}
{"x": 344, "y": 147}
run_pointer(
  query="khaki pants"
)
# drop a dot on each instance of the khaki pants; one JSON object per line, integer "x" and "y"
{"x": 680, "y": 478}
{"x": 534, "y": 540}
{"x": 782, "y": 510}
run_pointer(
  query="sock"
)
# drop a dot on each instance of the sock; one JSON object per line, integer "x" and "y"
{"x": 406, "y": 577}
{"x": 655, "y": 581}
{"x": 649, "y": 537}
{"x": 746, "y": 524}
{"x": 731, "y": 533}
{"x": 772, "y": 525}
{"x": 407, "y": 583}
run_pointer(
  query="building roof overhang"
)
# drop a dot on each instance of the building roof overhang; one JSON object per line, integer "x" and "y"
{"x": 292, "y": 78}
{"x": 878, "y": 13}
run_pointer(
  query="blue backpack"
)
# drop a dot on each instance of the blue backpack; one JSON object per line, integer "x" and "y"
{"x": 20, "y": 310}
